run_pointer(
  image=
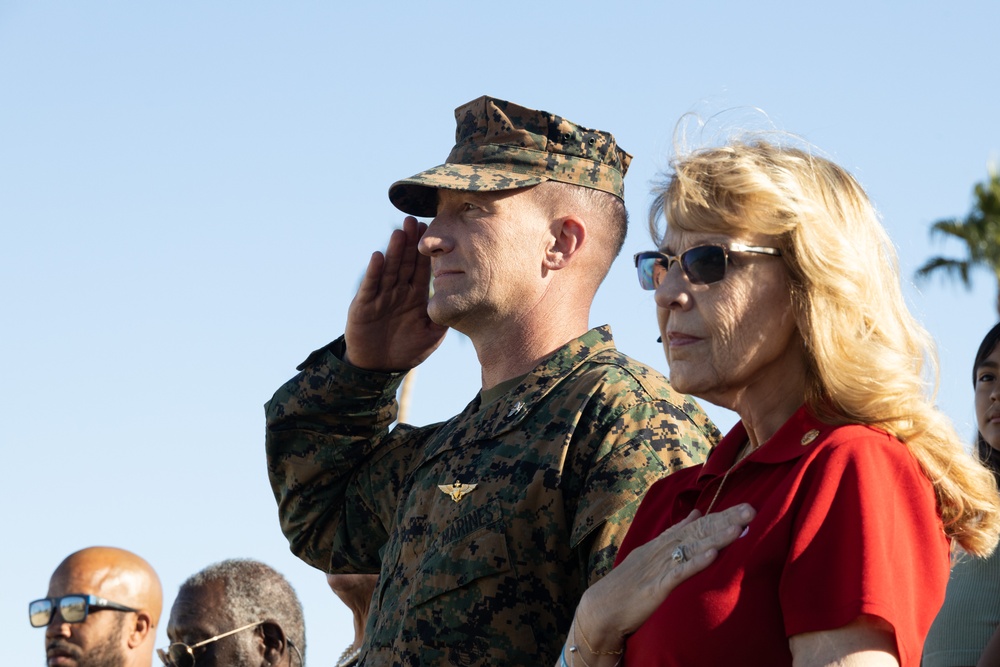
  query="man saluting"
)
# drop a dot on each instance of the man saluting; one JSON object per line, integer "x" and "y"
{"x": 485, "y": 529}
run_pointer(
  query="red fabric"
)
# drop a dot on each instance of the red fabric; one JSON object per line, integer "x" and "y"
{"x": 847, "y": 524}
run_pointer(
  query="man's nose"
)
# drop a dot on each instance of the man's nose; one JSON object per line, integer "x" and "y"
{"x": 57, "y": 627}
{"x": 435, "y": 240}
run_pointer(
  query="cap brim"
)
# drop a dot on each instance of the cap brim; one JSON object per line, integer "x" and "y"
{"x": 417, "y": 195}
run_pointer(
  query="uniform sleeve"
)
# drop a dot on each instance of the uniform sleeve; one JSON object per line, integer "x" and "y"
{"x": 642, "y": 445}
{"x": 333, "y": 465}
{"x": 866, "y": 539}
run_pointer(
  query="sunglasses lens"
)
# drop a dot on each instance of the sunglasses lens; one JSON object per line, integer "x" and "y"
{"x": 40, "y": 613}
{"x": 178, "y": 655}
{"x": 704, "y": 264}
{"x": 73, "y": 608}
{"x": 650, "y": 270}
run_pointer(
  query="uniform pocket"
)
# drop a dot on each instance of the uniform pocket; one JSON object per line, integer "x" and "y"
{"x": 464, "y": 603}
{"x": 474, "y": 546}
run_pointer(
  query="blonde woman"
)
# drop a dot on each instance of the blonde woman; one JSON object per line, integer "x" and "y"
{"x": 779, "y": 297}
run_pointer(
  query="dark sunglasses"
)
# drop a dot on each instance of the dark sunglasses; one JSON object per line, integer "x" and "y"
{"x": 180, "y": 654}
{"x": 73, "y": 608}
{"x": 703, "y": 264}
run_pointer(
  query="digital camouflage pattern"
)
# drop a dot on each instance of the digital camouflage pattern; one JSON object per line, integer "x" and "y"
{"x": 502, "y": 146}
{"x": 559, "y": 465}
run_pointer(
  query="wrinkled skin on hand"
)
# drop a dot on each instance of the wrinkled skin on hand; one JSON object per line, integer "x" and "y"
{"x": 618, "y": 604}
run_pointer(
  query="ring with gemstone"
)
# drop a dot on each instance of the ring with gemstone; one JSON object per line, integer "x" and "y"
{"x": 679, "y": 555}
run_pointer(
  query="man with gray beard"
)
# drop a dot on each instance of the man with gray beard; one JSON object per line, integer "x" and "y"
{"x": 102, "y": 610}
{"x": 237, "y": 613}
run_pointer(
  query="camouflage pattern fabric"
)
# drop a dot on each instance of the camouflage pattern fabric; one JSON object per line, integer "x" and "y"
{"x": 559, "y": 465}
{"x": 502, "y": 146}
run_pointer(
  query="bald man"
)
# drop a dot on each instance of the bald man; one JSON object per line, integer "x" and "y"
{"x": 101, "y": 610}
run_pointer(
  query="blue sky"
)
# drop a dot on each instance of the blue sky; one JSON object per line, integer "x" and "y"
{"x": 189, "y": 193}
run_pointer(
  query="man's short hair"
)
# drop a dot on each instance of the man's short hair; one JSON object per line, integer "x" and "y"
{"x": 255, "y": 591}
{"x": 608, "y": 210}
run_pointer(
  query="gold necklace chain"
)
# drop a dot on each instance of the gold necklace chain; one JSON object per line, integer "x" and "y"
{"x": 739, "y": 459}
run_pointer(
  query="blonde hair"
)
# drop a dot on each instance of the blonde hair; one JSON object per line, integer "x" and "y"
{"x": 866, "y": 353}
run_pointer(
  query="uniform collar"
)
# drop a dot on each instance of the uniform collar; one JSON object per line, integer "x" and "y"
{"x": 508, "y": 411}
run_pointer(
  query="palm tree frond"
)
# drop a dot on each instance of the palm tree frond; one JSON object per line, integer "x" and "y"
{"x": 950, "y": 267}
{"x": 978, "y": 231}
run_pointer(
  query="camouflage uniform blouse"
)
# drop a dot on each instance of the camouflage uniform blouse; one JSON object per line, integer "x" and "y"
{"x": 489, "y": 574}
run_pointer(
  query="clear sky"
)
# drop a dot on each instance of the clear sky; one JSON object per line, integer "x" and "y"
{"x": 189, "y": 193}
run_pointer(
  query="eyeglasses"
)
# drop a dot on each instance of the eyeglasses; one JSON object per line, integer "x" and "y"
{"x": 73, "y": 608}
{"x": 180, "y": 654}
{"x": 703, "y": 264}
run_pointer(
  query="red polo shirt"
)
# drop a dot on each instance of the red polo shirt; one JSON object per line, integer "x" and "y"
{"x": 847, "y": 524}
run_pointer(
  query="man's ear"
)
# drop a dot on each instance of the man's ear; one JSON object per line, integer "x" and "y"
{"x": 569, "y": 234}
{"x": 275, "y": 643}
{"x": 141, "y": 630}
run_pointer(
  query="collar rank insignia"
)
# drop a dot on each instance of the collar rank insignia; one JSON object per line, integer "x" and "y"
{"x": 456, "y": 491}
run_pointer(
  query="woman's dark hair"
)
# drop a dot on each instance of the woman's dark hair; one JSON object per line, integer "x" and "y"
{"x": 989, "y": 456}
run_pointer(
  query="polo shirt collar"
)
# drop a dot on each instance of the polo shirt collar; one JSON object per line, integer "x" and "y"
{"x": 797, "y": 436}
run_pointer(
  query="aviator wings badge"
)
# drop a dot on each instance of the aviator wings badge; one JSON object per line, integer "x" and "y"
{"x": 456, "y": 491}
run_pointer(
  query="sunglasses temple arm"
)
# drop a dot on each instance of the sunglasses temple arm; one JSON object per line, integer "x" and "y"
{"x": 226, "y": 634}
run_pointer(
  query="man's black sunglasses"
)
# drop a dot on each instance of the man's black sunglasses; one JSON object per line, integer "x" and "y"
{"x": 73, "y": 608}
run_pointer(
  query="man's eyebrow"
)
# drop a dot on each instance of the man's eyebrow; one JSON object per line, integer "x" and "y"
{"x": 463, "y": 194}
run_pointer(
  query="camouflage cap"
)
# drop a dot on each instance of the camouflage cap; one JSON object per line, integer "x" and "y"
{"x": 502, "y": 146}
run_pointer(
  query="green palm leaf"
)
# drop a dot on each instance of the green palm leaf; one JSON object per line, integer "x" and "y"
{"x": 978, "y": 232}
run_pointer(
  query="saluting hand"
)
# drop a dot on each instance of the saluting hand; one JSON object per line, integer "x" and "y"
{"x": 388, "y": 328}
